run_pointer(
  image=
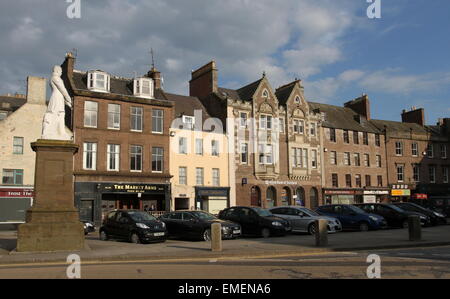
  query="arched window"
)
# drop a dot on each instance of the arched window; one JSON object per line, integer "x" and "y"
{"x": 255, "y": 196}
{"x": 286, "y": 196}
{"x": 300, "y": 199}
{"x": 270, "y": 197}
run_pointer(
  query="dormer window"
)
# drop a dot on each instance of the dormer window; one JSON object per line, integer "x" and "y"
{"x": 98, "y": 81}
{"x": 143, "y": 87}
{"x": 189, "y": 122}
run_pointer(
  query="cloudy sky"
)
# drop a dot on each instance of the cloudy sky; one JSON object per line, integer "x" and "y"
{"x": 400, "y": 60}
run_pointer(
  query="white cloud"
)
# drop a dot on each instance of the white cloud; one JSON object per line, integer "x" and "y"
{"x": 27, "y": 32}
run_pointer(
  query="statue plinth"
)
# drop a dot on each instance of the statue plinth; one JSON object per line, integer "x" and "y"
{"x": 53, "y": 223}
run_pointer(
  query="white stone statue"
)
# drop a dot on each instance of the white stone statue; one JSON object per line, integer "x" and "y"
{"x": 54, "y": 126}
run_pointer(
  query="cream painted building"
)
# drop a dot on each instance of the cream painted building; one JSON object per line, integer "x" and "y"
{"x": 199, "y": 159}
{"x": 20, "y": 124}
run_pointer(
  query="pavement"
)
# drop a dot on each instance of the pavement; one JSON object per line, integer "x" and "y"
{"x": 251, "y": 247}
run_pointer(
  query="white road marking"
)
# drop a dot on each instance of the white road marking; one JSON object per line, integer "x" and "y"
{"x": 213, "y": 261}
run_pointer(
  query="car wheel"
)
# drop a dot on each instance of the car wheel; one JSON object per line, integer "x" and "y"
{"x": 312, "y": 229}
{"x": 207, "y": 235}
{"x": 363, "y": 227}
{"x": 265, "y": 232}
{"x": 104, "y": 236}
{"x": 134, "y": 238}
{"x": 405, "y": 224}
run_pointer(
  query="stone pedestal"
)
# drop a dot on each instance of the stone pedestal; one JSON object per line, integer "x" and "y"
{"x": 53, "y": 223}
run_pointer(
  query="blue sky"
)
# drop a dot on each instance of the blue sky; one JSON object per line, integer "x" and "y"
{"x": 400, "y": 60}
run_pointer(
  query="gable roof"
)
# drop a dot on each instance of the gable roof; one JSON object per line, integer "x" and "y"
{"x": 343, "y": 118}
{"x": 246, "y": 93}
{"x": 284, "y": 92}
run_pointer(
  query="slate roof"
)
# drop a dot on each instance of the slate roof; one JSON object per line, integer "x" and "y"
{"x": 284, "y": 92}
{"x": 343, "y": 118}
{"x": 13, "y": 102}
{"x": 226, "y": 92}
{"x": 185, "y": 105}
{"x": 401, "y": 127}
{"x": 118, "y": 87}
{"x": 246, "y": 93}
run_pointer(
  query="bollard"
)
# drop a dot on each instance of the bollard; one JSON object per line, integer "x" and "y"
{"x": 216, "y": 237}
{"x": 321, "y": 232}
{"x": 414, "y": 228}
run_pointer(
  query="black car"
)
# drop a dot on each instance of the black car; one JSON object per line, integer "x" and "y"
{"x": 197, "y": 225}
{"x": 134, "y": 226}
{"x": 395, "y": 216}
{"x": 256, "y": 221}
{"x": 435, "y": 217}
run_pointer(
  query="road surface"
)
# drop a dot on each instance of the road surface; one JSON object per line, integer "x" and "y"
{"x": 430, "y": 262}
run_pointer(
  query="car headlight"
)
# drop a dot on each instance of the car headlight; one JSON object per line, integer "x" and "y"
{"x": 277, "y": 223}
{"x": 373, "y": 218}
{"x": 423, "y": 217}
{"x": 438, "y": 214}
{"x": 163, "y": 224}
{"x": 142, "y": 225}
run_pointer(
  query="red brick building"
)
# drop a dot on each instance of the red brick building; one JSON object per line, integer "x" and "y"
{"x": 274, "y": 137}
{"x": 121, "y": 126}
{"x": 354, "y": 154}
{"x": 418, "y": 155}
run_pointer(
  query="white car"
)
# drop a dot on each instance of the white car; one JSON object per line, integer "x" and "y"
{"x": 303, "y": 219}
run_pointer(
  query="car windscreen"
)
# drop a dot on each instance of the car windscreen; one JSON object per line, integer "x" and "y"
{"x": 356, "y": 209}
{"x": 396, "y": 208}
{"x": 309, "y": 212}
{"x": 204, "y": 215}
{"x": 141, "y": 216}
{"x": 262, "y": 212}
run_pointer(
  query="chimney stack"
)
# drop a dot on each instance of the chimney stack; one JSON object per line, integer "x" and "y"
{"x": 36, "y": 90}
{"x": 416, "y": 116}
{"x": 360, "y": 105}
{"x": 156, "y": 76}
{"x": 204, "y": 81}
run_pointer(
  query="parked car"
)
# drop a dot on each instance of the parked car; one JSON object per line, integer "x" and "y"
{"x": 89, "y": 227}
{"x": 197, "y": 225}
{"x": 303, "y": 220}
{"x": 436, "y": 218}
{"x": 256, "y": 221}
{"x": 395, "y": 216}
{"x": 134, "y": 226}
{"x": 440, "y": 204}
{"x": 352, "y": 218}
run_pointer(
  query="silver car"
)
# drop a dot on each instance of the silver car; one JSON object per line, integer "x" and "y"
{"x": 303, "y": 219}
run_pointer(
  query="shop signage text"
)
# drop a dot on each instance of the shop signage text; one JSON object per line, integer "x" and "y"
{"x": 16, "y": 193}
{"x": 132, "y": 188}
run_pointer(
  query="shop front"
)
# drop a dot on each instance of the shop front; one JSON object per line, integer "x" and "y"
{"x": 94, "y": 200}
{"x": 14, "y": 203}
{"x": 212, "y": 199}
{"x": 400, "y": 193}
{"x": 343, "y": 196}
{"x": 375, "y": 196}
